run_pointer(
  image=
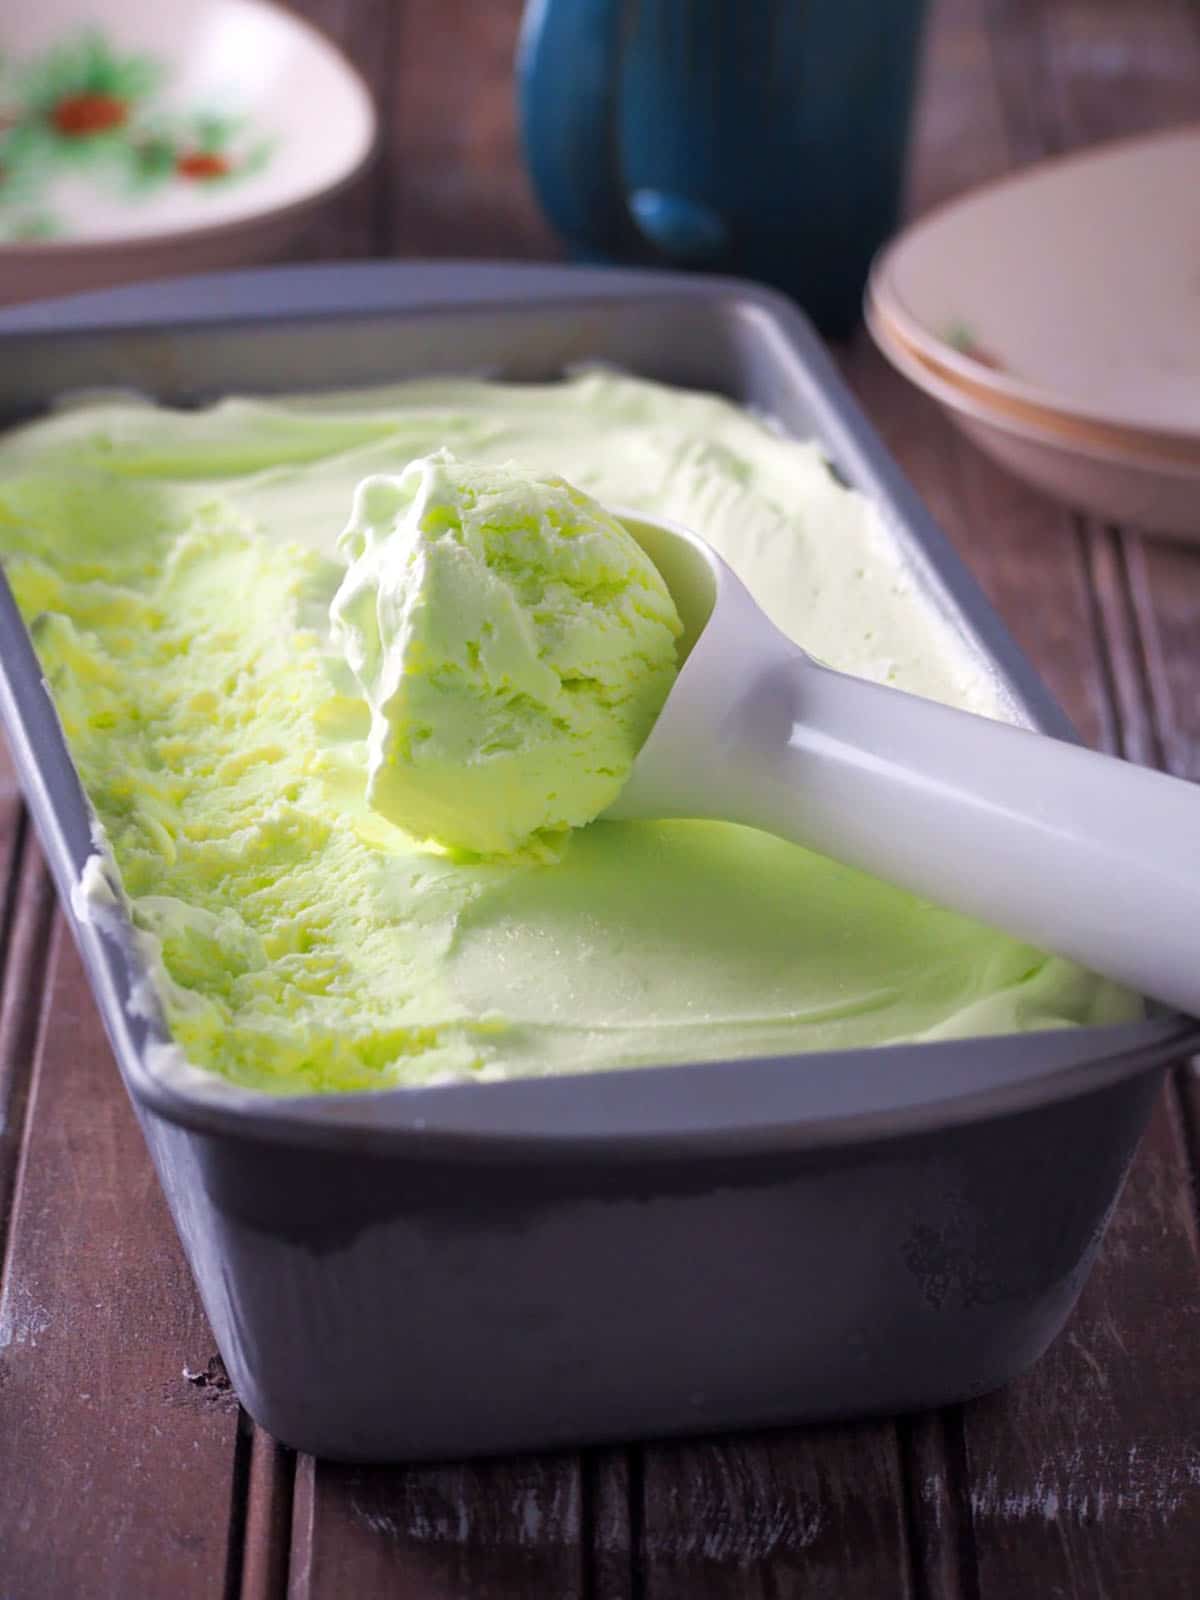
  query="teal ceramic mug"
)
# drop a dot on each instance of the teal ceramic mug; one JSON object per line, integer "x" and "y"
{"x": 758, "y": 137}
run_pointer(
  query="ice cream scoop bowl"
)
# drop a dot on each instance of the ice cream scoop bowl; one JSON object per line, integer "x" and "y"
{"x": 1057, "y": 845}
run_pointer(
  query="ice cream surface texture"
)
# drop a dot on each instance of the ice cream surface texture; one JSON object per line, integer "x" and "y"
{"x": 177, "y": 571}
{"x": 514, "y": 645}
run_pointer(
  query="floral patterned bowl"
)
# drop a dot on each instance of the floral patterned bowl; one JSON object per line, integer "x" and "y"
{"x": 171, "y": 136}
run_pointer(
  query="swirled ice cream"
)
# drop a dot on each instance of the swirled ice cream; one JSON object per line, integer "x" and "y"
{"x": 514, "y": 645}
{"x": 177, "y": 571}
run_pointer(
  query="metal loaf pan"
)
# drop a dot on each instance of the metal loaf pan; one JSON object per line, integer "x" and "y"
{"x": 441, "y": 1272}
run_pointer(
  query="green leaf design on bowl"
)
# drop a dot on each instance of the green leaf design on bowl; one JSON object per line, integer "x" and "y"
{"x": 84, "y": 107}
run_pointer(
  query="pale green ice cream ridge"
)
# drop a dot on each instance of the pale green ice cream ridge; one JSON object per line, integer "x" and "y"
{"x": 514, "y": 645}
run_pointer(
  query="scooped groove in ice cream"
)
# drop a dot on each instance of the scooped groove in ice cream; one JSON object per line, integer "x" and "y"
{"x": 514, "y": 645}
{"x": 177, "y": 569}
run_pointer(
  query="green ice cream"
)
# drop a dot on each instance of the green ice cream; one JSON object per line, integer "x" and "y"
{"x": 514, "y": 645}
{"x": 177, "y": 570}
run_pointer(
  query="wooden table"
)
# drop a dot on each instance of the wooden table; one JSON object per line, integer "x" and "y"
{"x": 126, "y": 1465}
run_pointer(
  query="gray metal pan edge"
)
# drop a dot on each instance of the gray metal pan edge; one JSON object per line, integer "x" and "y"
{"x": 864, "y": 1245}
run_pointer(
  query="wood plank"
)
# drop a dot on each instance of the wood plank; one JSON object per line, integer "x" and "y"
{"x": 354, "y": 224}
{"x": 815, "y": 1512}
{"x": 23, "y": 932}
{"x": 267, "y": 1519}
{"x": 117, "y": 1471}
{"x": 491, "y": 1530}
{"x": 958, "y": 136}
{"x": 1164, "y": 584}
{"x": 1072, "y": 75}
{"x": 607, "y": 1535}
{"x": 457, "y": 182}
{"x": 941, "y": 1537}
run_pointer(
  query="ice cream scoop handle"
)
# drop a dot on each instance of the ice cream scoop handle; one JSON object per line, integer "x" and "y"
{"x": 1070, "y": 850}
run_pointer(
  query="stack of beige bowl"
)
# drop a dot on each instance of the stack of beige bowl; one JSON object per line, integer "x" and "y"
{"x": 1056, "y": 317}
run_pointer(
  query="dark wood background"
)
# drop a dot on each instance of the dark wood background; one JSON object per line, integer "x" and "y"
{"x": 126, "y": 1465}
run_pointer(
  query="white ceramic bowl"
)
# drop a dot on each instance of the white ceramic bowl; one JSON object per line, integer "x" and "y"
{"x": 146, "y": 137}
{"x": 1071, "y": 286}
{"x": 1156, "y": 493}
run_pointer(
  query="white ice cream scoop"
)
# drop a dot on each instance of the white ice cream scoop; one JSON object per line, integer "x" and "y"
{"x": 1072, "y": 851}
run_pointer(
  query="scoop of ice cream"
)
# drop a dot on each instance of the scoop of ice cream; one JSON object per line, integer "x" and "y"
{"x": 514, "y": 645}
